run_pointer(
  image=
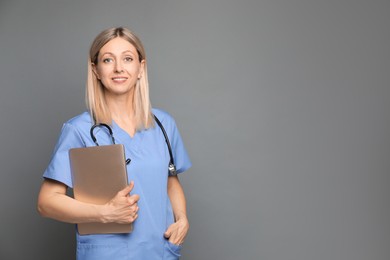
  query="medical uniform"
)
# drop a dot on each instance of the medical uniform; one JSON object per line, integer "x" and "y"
{"x": 148, "y": 169}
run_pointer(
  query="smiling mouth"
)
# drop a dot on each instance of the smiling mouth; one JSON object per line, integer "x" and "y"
{"x": 119, "y": 79}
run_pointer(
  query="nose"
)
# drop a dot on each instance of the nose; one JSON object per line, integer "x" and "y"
{"x": 118, "y": 67}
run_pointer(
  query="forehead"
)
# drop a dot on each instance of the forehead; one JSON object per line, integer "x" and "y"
{"x": 118, "y": 45}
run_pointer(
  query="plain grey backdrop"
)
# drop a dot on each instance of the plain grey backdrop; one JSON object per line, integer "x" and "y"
{"x": 283, "y": 106}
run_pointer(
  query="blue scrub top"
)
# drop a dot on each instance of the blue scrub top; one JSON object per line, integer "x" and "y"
{"x": 148, "y": 169}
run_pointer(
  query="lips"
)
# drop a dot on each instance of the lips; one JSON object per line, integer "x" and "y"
{"x": 119, "y": 79}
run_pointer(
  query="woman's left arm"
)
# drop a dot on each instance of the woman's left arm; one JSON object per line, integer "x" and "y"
{"x": 177, "y": 232}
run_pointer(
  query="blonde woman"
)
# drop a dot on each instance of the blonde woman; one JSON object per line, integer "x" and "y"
{"x": 118, "y": 95}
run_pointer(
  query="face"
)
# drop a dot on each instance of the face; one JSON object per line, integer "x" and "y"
{"x": 118, "y": 66}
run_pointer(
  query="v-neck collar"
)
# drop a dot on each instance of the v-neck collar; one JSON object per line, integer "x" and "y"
{"x": 124, "y": 138}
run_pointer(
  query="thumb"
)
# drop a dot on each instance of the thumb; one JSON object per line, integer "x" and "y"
{"x": 127, "y": 189}
{"x": 168, "y": 233}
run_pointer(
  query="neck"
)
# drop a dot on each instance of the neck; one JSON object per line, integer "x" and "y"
{"x": 122, "y": 110}
{"x": 121, "y": 106}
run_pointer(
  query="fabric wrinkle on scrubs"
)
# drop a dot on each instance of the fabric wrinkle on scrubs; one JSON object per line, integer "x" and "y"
{"x": 148, "y": 169}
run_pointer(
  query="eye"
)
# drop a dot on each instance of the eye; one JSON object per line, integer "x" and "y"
{"x": 128, "y": 59}
{"x": 107, "y": 60}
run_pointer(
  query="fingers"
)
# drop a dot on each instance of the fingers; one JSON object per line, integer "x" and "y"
{"x": 128, "y": 219}
{"x": 133, "y": 199}
{"x": 123, "y": 208}
{"x": 128, "y": 215}
{"x": 174, "y": 237}
{"x": 133, "y": 214}
{"x": 127, "y": 189}
{"x": 177, "y": 232}
{"x": 133, "y": 218}
{"x": 133, "y": 210}
{"x": 172, "y": 233}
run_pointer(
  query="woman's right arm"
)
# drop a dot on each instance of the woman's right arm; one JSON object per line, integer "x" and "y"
{"x": 54, "y": 203}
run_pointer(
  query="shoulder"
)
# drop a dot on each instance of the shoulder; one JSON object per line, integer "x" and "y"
{"x": 79, "y": 124}
{"x": 163, "y": 116}
{"x": 75, "y": 131}
{"x": 166, "y": 120}
{"x": 80, "y": 121}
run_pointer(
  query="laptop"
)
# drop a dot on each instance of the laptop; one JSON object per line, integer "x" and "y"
{"x": 98, "y": 173}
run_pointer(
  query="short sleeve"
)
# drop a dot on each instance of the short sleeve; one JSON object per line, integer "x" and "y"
{"x": 180, "y": 155}
{"x": 59, "y": 166}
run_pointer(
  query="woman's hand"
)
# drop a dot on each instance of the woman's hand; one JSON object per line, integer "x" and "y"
{"x": 176, "y": 233}
{"x": 122, "y": 208}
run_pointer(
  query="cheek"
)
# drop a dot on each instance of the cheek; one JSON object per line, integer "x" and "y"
{"x": 103, "y": 73}
{"x": 138, "y": 71}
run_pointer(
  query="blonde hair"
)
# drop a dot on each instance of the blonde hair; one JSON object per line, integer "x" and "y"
{"x": 95, "y": 98}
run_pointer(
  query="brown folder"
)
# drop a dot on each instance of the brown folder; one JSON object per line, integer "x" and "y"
{"x": 98, "y": 173}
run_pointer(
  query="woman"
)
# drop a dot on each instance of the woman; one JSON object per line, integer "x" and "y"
{"x": 118, "y": 95}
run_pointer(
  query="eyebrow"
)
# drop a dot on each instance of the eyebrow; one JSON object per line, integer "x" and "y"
{"x": 110, "y": 53}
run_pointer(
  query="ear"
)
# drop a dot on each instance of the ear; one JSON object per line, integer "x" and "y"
{"x": 141, "y": 70}
{"x": 94, "y": 69}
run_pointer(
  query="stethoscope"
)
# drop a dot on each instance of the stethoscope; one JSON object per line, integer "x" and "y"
{"x": 171, "y": 165}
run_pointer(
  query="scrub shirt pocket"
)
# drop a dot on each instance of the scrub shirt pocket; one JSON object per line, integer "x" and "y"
{"x": 87, "y": 251}
{"x": 171, "y": 251}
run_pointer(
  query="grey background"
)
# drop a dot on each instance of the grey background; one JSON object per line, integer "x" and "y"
{"x": 283, "y": 106}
